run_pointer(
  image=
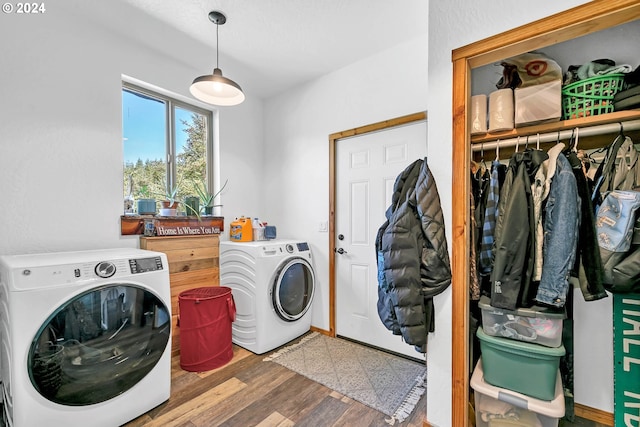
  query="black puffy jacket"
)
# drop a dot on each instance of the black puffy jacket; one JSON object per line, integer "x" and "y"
{"x": 413, "y": 259}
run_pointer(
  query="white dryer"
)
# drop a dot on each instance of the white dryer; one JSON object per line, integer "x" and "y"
{"x": 273, "y": 284}
{"x": 85, "y": 337}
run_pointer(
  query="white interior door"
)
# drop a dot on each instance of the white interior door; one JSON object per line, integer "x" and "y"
{"x": 366, "y": 168}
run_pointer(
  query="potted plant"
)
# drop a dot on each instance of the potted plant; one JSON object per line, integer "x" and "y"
{"x": 207, "y": 198}
{"x": 192, "y": 205}
{"x": 170, "y": 202}
{"x": 146, "y": 204}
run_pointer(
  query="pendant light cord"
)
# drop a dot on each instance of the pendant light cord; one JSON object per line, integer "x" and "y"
{"x": 217, "y": 53}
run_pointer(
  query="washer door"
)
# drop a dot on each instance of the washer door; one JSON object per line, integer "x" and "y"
{"x": 98, "y": 344}
{"x": 293, "y": 288}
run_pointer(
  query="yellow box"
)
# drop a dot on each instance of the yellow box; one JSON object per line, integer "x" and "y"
{"x": 240, "y": 230}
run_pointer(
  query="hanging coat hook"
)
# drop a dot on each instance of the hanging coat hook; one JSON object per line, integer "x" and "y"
{"x": 517, "y": 143}
{"x": 558, "y": 139}
{"x": 538, "y": 142}
{"x": 526, "y": 145}
{"x": 497, "y": 150}
{"x": 621, "y": 128}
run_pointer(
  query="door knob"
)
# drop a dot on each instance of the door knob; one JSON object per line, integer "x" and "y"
{"x": 340, "y": 251}
{"x": 340, "y": 236}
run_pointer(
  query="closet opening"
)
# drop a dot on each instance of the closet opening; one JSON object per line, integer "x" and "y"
{"x": 584, "y": 20}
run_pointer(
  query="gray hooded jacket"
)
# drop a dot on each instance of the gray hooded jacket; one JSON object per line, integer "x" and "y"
{"x": 413, "y": 259}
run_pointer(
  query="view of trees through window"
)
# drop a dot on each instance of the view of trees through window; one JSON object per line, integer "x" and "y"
{"x": 159, "y": 157}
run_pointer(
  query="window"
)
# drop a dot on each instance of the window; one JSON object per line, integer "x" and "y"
{"x": 167, "y": 145}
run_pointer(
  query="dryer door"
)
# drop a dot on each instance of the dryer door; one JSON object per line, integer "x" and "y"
{"x": 98, "y": 344}
{"x": 293, "y": 288}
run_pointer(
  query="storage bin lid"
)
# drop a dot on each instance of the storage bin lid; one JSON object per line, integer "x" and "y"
{"x": 520, "y": 347}
{"x": 204, "y": 293}
{"x": 554, "y": 408}
{"x": 533, "y": 311}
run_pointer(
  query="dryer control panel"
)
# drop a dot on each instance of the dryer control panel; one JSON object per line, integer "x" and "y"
{"x": 301, "y": 247}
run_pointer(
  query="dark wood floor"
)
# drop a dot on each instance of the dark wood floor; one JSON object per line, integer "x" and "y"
{"x": 250, "y": 392}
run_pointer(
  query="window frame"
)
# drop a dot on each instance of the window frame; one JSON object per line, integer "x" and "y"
{"x": 171, "y": 104}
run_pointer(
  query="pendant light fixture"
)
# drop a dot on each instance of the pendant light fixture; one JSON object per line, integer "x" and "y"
{"x": 215, "y": 88}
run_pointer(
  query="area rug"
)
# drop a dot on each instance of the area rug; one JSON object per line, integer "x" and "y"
{"x": 393, "y": 385}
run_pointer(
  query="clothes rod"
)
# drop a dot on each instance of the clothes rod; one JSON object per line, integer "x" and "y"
{"x": 554, "y": 136}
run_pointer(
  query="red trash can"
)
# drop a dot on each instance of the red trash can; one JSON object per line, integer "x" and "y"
{"x": 205, "y": 321}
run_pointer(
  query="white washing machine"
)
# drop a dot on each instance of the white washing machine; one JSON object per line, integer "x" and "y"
{"x": 273, "y": 284}
{"x": 85, "y": 337}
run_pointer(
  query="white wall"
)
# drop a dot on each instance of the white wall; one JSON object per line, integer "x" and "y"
{"x": 61, "y": 134}
{"x": 297, "y": 128}
{"x": 453, "y": 24}
{"x": 61, "y": 148}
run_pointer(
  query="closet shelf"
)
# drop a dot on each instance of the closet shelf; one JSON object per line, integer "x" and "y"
{"x": 593, "y": 132}
{"x": 554, "y": 127}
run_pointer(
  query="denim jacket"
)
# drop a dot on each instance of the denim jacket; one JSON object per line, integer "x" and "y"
{"x": 540, "y": 190}
{"x": 560, "y": 235}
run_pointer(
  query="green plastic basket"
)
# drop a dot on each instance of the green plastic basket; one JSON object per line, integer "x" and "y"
{"x": 591, "y": 96}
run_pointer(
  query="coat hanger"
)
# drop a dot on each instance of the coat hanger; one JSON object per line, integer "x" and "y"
{"x": 538, "y": 142}
{"x": 526, "y": 145}
{"x": 575, "y": 143}
{"x": 482, "y": 161}
{"x": 497, "y": 150}
{"x": 517, "y": 143}
{"x": 571, "y": 138}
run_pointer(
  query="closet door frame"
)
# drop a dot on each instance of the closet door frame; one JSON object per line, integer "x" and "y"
{"x": 576, "y": 22}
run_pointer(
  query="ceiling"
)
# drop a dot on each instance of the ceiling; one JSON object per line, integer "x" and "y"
{"x": 269, "y": 45}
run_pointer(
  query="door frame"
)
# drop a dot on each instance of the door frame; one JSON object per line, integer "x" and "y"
{"x": 572, "y": 23}
{"x": 334, "y": 138}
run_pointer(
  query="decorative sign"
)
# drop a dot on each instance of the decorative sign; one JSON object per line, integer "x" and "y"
{"x": 184, "y": 230}
{"x": 173, "y": 226}
{"x": 626, "y": 358}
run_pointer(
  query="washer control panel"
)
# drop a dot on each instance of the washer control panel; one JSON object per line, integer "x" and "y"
{"x": 143, "y": 265}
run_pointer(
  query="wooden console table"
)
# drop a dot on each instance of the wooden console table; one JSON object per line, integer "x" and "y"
{"x": 193, "y": 263}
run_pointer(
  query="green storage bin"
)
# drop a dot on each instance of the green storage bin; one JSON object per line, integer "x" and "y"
{"x": 526, "y": 368}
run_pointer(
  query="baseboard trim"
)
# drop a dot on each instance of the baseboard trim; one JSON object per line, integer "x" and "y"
{"x": 321, "y": 331}
{"x": 593, "y": 414}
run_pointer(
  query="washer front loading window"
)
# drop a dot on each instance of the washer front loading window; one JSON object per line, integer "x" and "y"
{"x": 85, "y": 336}
{"x": 113, "y": 332}
{"x": 293, "y": 288}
